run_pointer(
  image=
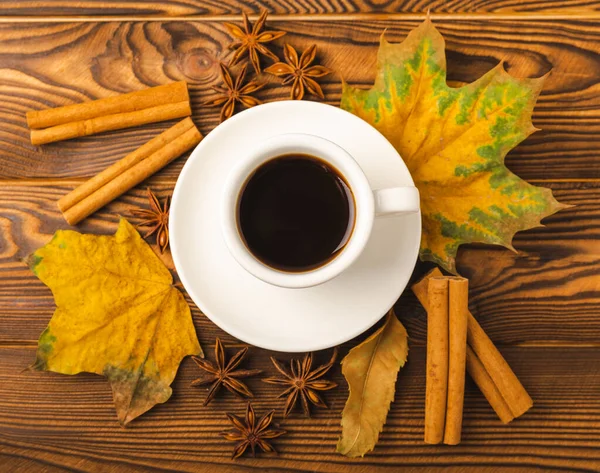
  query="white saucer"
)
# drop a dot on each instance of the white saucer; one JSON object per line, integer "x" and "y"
{"x": 292, "y": 320}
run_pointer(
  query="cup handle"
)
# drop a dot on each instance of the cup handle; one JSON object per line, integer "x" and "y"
{"x": 396, "y": 201}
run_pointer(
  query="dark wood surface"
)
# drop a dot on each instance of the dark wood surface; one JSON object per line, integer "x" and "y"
{"x": 541, "y": 305}
{"x": 51, "y": 64}
{"x": 73, "y": 423}
{"x": 290, "y": 7}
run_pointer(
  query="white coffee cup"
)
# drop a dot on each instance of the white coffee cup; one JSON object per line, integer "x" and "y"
{"x": 369, "y": 204}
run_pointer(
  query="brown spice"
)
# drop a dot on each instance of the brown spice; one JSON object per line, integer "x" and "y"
{"x": 436, "y": 380}
{"x": 303, "y": 383}
{"x": 458, "y": 307}
{"x": 251, "y": 40}
{"x": 156, "y": 104}
{"x": 129, "y": 171}
{"x": 250, "y": 433}
{"x": 157, "y": 217}
{"x": 231, "y": 92}
{"x": 485, "y": 364}
{"x": 222, "y": 373}
{"x": 299, "y": 72}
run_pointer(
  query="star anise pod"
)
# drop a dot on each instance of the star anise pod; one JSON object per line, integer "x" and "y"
{"x": 231, "y": 92}
{"x": 303, "y": 383}
{"x": 300, "y": 72}
{"x": 157, "y": 218}
{"x": 251, "y": 40}
{"x": 225, "y": 374}
{"x": 250, "y": 433}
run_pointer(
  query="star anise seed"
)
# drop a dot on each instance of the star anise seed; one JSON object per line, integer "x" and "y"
{"x": 231, "y": 92}
{"x": 251, "y": 40}
{"x": 223, "y": 373}
{"x": 157, "y": 218}
{"x": 303, "y": 383}
{"x": 250, "y": 433}
{"x": 300, "y": 72}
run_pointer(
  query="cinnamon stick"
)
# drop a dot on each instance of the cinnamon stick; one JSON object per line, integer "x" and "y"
{"x": 133, "y": 176}
{"x": 487, "y": 386}
{"x": 458, "y": 290}
{"x": 511, "y": 391}
{"x": 117, "y": 121}
{"x": 96, "y": 182}
{"x": 133, "y": 101}
{"x": 437, "y": 360}
{"x": 508, "y": 384}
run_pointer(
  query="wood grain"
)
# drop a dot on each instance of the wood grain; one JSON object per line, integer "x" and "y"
{"x": 518, "y": 297}
{"x": 51, "y": 64}
{"x": 70, "y": 421}
{"x": 224, "y": 7}
{"x": 540, "y": 305}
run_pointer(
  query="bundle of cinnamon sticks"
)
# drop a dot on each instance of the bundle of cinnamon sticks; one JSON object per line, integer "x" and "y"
{"x": 456, "y": 341}
{"x": 164, "y": 102}
{"x": 129, "y": 171}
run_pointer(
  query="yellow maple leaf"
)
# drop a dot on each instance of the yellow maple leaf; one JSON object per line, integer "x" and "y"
{"x": 117, "y": 315}
{"x": 453, "y": 141}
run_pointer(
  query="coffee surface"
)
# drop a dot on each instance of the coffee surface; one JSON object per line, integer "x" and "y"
{"x": 295, "y": 213}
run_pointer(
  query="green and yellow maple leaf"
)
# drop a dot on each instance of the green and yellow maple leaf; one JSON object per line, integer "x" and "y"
{"x": 117, "y": 315}
{"x": 453, "y": 141}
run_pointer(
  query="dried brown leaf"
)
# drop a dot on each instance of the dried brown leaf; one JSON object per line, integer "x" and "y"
{"x": 371, "y": 369}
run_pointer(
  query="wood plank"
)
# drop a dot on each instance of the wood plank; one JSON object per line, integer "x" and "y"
{"x": 69, "y": 421}
{"x": 226, "y": 7}
{"x": 547, "y": 292}
{"x": 51, "y": 64}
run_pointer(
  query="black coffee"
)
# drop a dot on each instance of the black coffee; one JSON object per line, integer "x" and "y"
{"x": 295, "y": 213}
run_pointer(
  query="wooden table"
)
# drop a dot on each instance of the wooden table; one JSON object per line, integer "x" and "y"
{"x": 541, "y": 305}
